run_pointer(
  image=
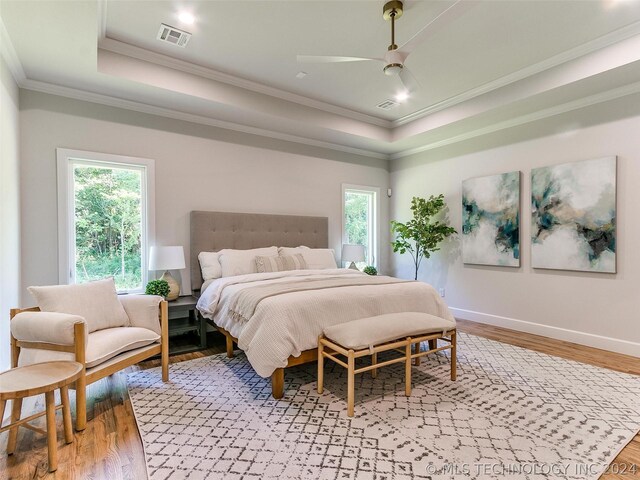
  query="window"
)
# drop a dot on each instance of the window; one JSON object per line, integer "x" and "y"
{"x": 360, "y": 220}
{"x": 105, "y": 211}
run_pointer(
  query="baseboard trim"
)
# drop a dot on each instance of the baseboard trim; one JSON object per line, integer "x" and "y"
{"x": 597, "y": 341}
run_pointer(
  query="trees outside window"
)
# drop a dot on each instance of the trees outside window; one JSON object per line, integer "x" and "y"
{"x": 106, "y": 206}
{"x": 360, "y": 220}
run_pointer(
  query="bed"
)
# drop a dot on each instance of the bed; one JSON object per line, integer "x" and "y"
{"x": 285, "y": 312}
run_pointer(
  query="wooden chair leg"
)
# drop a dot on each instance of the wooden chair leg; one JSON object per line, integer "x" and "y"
{"x": 229, "y": 347}
{"x": 374, "y": 361}
{"x": 433, "y": 344}
{"x": 277, "y": 383}
{"x": 454, "y": 357}
{"x": 66, "y": 414}
{"x": 417, "y": 351}
{"x": 16, "y": 410}
{"x": 52, "y": 440}
{"x": 350, "y": 384}
{"x": 81, "y": 403}
{"x": 407, "y": 369}
{"x": 3, "y": 404}
{"x": 320, "y": 365}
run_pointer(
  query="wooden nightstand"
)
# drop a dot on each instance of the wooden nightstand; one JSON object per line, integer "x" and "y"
{"x": 185, "y": 318}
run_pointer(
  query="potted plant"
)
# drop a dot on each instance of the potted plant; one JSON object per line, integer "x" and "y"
{"x": 157, "y": 287}
{"x": 421, "y": 235}
{"x": 370, "y": 270}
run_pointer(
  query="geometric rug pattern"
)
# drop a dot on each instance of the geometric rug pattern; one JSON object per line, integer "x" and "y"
{"x": 512, "y": 413}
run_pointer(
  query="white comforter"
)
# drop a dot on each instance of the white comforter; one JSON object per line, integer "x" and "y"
{"x": 287, "y": 324}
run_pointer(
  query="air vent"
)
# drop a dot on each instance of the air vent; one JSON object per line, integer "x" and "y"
{"x": 172, "y": 35}
{"x": 387, "y": 104}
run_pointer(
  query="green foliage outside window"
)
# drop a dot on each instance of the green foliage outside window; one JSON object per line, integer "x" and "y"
{"x": 356, "y": 212}
{"x": 108, "y": 222}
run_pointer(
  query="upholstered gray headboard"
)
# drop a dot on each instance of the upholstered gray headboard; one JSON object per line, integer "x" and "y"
{"x": 213, "y": 231}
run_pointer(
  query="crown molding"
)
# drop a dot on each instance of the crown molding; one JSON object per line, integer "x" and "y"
{"x": 10, "y": 56}
{"x": 527, "y": 118}
{"x": 122, "y": 48}
{"x": 599, "y": 43}
{"x": 111, "y": 101}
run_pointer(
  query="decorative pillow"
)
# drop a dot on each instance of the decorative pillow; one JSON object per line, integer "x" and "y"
{"x": 97, "y": 302}
{"x": 210, "y": 265}
{"x": 280, "y": 263}
{"x": 316, "y": 258}
{"x": 242, "y": 262}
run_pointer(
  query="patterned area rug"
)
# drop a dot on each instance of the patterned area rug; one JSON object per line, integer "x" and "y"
{"x": 512, "y": 413}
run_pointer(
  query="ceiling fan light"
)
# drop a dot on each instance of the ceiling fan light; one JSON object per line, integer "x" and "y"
{"x": 393, "y": 69}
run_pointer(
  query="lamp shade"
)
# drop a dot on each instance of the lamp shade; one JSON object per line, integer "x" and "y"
{"x": 352, "y": 253}
{"x": 166, "y": 258}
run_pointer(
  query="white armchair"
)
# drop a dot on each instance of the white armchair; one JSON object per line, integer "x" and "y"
{"x": 44, "y": 336}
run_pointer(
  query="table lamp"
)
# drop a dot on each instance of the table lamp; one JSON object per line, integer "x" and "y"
{"x": 353, "y": 254}
{"x": 168, "y": 258}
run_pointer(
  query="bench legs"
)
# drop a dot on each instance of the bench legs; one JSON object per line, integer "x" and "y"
{"x": 351, "y": 362}
{"x": 327, "y": 348}
{"x": 407, "y": 368}
{"x": 454, "y": 356}
{"x": 320, "y": 365}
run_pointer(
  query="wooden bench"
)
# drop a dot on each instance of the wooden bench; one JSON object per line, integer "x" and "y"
{"x": 373, "y": 335}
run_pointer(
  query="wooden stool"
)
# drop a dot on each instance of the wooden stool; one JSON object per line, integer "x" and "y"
{"x": 21, "y": 382}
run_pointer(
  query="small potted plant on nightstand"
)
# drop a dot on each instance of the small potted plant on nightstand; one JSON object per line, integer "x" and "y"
{"x": 370, "y": 270}
{"x": 157, "y": 287}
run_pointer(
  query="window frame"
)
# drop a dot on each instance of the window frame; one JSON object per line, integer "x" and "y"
{"x": 375, "y": 228}
{"x": 66, "y": 160}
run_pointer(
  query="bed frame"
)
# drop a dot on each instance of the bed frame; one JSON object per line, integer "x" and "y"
{"x": 212, "y": 231}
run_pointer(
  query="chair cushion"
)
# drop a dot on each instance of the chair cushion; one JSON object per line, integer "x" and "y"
{"x": 107, "y": 343}
{"x": 365, "y": 332}
{"x": 101, "y": 346}
{"x": 97, "y": 302}
{"x": 142, "y": 311}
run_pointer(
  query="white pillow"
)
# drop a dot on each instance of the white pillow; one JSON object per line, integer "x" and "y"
{"x": 210, "y": 265}
{"x": 291, "y": 250}
{"x": 97, "y": 302}
{"x": 242, "y": 262}
{"x": 316, "y": 258}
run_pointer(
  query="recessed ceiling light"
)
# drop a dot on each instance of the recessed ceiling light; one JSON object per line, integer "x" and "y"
{"x": 186, "y": 17}
{"x": 402, "y": 96}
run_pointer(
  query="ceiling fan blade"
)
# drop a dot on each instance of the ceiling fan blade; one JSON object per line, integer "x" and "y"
{"x": 409, "y": 82}
{"x": 333, "y": 59}
{"x": 458, "y": 9}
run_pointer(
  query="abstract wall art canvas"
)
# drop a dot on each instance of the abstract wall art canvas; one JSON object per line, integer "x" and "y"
{"x": 573, "y": 220}
{"x": 491, "y": 220}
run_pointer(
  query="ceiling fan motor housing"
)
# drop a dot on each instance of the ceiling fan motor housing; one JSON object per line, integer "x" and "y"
{"x": 394, "y": 62}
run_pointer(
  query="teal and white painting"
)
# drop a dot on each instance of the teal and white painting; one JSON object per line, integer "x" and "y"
{"x": 491, "y": 220}
{"x": 573, "y": 220}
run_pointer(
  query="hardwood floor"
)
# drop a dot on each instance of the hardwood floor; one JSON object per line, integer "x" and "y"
{"x": 110, "y": 447}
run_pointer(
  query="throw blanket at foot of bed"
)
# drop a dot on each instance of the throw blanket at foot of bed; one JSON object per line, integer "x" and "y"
{"x": 245, "y": 302}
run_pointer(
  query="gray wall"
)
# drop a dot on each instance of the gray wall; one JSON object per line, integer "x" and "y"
{"x": 593, "y": 309}
{"x": 9, "y": 207}
{"x": 197, "y": 168}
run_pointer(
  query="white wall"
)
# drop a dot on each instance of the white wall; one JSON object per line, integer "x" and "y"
{"x": 9, "y": 208}
{"x": 197, "y": 168}
{"x": 601, "y": 310}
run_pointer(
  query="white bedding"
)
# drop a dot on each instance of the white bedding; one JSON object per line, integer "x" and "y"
{"x": 287, "y": 324}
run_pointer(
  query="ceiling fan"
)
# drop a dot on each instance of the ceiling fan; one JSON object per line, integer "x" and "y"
{"x": 395, "y": 58}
